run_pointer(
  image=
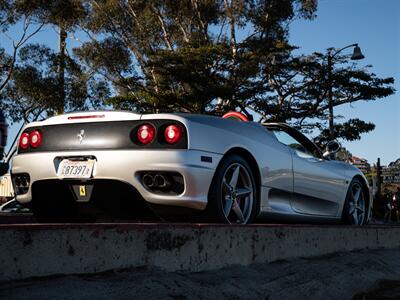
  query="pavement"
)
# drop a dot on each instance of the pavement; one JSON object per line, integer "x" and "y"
{"x": 366, "y": 274}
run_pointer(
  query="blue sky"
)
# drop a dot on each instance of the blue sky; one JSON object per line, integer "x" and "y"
{"x": 375, "y": 26}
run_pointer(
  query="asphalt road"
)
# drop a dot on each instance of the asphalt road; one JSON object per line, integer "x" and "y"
{"x": 354, "y": 275}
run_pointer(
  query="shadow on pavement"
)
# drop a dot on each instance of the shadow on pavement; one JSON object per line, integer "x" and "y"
{"x": 385, "y": 290}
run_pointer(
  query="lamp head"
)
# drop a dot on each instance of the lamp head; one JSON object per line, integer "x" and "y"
{"x": 357, "y": 55}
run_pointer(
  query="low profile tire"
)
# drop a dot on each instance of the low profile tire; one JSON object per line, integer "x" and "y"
{"x": 355, "y": 207}
{"x": 232, "y": 197}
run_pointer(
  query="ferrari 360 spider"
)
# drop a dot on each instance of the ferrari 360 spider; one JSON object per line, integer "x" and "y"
{"x": 214, "y": 169}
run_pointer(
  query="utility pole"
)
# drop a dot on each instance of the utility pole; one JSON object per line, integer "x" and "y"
{"x": 379, "y": 177}
{"x": 330, "y": 98}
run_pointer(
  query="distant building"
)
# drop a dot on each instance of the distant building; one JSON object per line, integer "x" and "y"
{"x": 360, "y": 163}
{"x": 391, "y": 173}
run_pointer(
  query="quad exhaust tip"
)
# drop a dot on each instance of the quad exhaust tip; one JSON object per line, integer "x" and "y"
{"x": 161, "y": 181}
{"x": 148, "y": 181}
{"x": 21, "y": 183}
{"x": 156, "y": 181}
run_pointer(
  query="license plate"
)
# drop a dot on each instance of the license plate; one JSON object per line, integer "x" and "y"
{"x": 75, "y": 168}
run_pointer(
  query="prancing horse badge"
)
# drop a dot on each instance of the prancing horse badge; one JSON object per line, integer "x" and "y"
{"x": 82, "y": 191}
{"x": 81, "y": 136}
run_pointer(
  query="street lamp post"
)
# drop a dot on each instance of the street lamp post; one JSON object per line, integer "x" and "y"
{"x": 357, "y": 55}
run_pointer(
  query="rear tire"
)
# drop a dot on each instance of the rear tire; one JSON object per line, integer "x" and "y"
{"x": 355, "y": 210}
{"x": 233, "y": 196}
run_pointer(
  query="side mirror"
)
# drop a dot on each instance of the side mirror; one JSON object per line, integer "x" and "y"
{"x": 331, "y": 148}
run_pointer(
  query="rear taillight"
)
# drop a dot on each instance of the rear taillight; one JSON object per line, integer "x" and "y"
{"x": 35, "y": 139}
{"x": 146, "y": 134}
{"x": 24, "y": 141}
{"x": 173, "y": 134}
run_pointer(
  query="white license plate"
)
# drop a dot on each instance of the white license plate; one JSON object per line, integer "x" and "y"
{"x": 75, "y": 169}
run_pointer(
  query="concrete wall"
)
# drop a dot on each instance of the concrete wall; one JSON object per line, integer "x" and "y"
{"x": 42, "y": 250}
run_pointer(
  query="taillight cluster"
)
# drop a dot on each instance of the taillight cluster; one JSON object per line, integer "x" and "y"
{"x": 146, "y": 134}
{"x": 33, "y": 139}
{"x": 170, "y": 134}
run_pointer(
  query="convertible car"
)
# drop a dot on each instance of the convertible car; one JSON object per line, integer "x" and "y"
{"x": 181, "y": 165}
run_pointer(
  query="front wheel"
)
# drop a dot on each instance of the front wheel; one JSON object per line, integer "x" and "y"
{"x": 355, "y": 207}
{"x": 232, "y": 197}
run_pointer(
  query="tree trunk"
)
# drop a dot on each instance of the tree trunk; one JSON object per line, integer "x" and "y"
{"x": 61, "y": 70}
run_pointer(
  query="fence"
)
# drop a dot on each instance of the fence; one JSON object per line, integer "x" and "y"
{"x": 6, "y": 189}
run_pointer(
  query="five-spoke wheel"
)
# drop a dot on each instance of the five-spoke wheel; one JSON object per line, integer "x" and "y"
{"x": 233, "y": 194}
{"x": 355, "y": 209}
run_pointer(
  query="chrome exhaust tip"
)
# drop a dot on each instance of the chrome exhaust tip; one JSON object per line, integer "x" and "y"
{"x": 161, "y": 181}
{"x": 148, "y": 180}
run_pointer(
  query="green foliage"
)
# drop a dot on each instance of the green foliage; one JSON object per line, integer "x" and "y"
{"x": 63, "y": 13}
{"x": 34, "y": 88}
{"x": 187, "y": 78}
{"x": 186, "y": 55}
{"x": 199, "y": 56}
{"x": 299, "y": 93}
{"x": 350, "y": 130}
{"x": 37, "y": 81}
{"x": 106, "y": 57}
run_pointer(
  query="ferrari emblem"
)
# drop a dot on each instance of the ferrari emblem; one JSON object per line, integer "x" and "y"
{"x": 81, "y": 136}
{"x": 82, "y": 191}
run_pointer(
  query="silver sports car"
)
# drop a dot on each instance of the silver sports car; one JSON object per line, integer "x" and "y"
{"x": 203, "y": 167}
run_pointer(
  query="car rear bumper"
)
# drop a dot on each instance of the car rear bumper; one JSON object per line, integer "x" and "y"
{"x": 124, "y": 166}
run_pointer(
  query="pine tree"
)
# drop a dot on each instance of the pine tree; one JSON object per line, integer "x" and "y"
{"x": 299, "y": 94}
{"x": 44, "y": 81}
{"x": 187, "y": 55}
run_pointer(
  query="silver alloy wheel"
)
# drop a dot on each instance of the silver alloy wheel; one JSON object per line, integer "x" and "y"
{"x": 237, "y": 194}
{"x": 356, "y": 204}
